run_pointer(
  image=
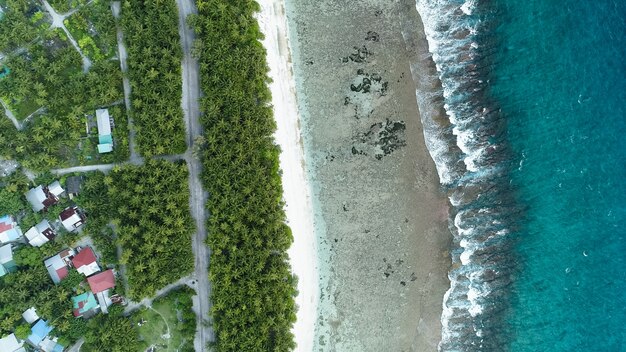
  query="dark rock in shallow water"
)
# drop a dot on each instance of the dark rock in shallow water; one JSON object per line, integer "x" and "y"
{"x": 372, "y": 36}
{"x": 383, "y": 138}
{"x": 360, "y": 54}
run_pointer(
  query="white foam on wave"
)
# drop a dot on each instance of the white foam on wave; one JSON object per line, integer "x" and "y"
{"x": 468, "y": 7}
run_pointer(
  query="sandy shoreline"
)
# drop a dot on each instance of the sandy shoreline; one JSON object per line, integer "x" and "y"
{"x": 303, "y": 252}
{"x": 380, "y": 218}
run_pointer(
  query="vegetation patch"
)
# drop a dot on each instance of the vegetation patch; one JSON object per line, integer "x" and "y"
{"x": 48, "y": 77}
{"x": 154, "y": 225}
{"x": 253, "y": 287}
{"x": 154, "y": 63}
{"x": 169, "y": 324}
{"x": 93, "y": 28}
{"x": 21, "y": 23}
{"x": 64, "y": 6}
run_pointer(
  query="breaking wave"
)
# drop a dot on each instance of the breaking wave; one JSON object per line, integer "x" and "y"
{"x": 471, "y": 155}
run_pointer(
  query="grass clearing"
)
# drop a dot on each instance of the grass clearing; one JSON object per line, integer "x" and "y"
{"x": 169, "y": 325}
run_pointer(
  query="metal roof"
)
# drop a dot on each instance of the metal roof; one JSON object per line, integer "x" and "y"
{"x": 104, "y": 121}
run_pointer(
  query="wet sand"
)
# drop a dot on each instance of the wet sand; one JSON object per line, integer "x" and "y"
{"x": 380, "y": 218}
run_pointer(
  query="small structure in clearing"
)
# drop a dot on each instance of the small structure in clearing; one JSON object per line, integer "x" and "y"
{"x": 73, "y": 184}
{"x": 30, "y": 315}
{"x": 105, "y": 139}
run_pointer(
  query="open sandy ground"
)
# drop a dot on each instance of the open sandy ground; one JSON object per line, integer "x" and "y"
{"x": 299, "y": 210}
{"x": 380, "y": 218}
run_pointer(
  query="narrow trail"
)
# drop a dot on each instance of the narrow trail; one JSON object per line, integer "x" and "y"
{"x": 147, "y": 302}
{"x": 135, "y": 158}
{"x": 198, "y": 197}
{"x": 57, "y": 22}
{"x": 10, "y": 116}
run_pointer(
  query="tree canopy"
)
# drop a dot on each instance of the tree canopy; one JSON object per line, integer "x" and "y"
{"x": 253, "y": 287}
{"x": 154, "y": 64}
{"x": 151, "y": 205}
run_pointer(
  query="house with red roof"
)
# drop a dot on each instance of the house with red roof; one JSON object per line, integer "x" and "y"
{"x": 101, "y": 281}
{"x": 58, "y": 265}
{"x": 85, "y": 262}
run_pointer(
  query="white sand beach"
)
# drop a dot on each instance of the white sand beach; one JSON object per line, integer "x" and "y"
{"x": 303, "y": 252}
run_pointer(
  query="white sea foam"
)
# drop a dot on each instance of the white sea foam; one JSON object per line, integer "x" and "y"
{"x": 468, "y": 7}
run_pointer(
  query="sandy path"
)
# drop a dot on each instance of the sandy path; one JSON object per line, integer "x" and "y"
{"x": 296, "y": 190}
{"x": 57, "y": 22}
{"x": 198, "y": 198}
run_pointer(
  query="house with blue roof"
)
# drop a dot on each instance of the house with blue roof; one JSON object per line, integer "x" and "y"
{"x": 39, "y": 331}
{"x": 9, "y": 230}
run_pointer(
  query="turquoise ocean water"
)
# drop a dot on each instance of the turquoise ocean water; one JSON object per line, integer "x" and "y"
{"x": 560, "y": 79}
{"x": 535, "y": 92}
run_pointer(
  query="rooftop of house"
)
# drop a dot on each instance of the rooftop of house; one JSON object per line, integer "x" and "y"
{"x": 57, "y": 265}
{"x": 84, "y": 257}
{"x": 104, "y": 121}
{"x": 73, "y": 184}
{"x": 9, "y": 231}
{"x": 30, "y": 315}
{"x": 39, "y": 331}
{"x": 71, "y": 218}
{"x": 40, "y": 234}
{"x": 101, "y": 281}
{"x": 10, "y": 344}
{"x": 83, "y": 303}
{"x": 51, "y": 345}
{"x": 6, "y": 254}
{"x": 41, "y": 197}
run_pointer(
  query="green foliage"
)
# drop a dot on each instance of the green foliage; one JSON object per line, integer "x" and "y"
{"x": 112, "y": 333}
{"x": 93, "y": 27}
{"x": 23, "y": 289}
{"x": 28, "y": 256}
{"x": 151, "y": 204}
{"x": 154, "y": 63}
{"x": 19, "y": 23}
{"x": 50, "y": 75}
{"x": 63, "y": 6}
{"x": 10, "y": 202}
{"x": 253, "y": 288}
{"x": 72, "y": 280}
{"x": 172, "y": 313}
{"x": 22, "y": 331}
{"x": 94, "y": 200}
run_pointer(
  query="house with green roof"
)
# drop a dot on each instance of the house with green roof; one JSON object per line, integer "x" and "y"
{"x": 85, "y": 305}
{"x": 7, "y": 264}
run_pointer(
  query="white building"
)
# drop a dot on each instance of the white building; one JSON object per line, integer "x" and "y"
{"x": 40, "y": 234}
{"x": 11, "y": 344}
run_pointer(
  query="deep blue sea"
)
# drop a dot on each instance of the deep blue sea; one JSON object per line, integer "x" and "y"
{"x": 535, "y": 91}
